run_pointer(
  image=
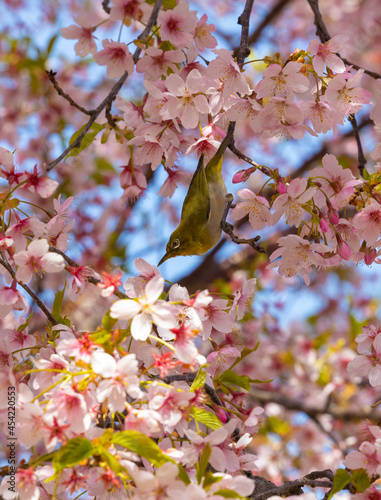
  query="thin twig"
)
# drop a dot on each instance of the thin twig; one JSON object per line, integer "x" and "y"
{"x": 51, "y": 74}
{"x": 322, "y": 32}
{"x": 106, "y": 6}
{"x": 244, "y": 20}
{"x": 112, "y": 94}
{"x": 264, "y": 397}
{"x": 89, "y": 279}
{"x": 228, "y": 228}
{"x": 30, "y": 292}
{"x": 248, "y": 160}
{"x": 295, "y": 487}
{"x": 274, "y": 12}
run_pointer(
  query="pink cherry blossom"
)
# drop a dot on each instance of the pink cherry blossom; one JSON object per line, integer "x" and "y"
{"x": 185, "y": 99}
{"x": 26, "y": 486}
{"x": 80, "y": 348}
{"x": 70, "y": 406}
{"x": 156, "y": 62}
{"x": 291, "y": 203}
{"x": 203, "y": 38}
{"x": 177, "y": 25}
{"x": 221, "y": 360}
{"x": 11, "y": 298}
{"x": 117, "y": 58}
{"x": 282, "y": 82}
{"x": 345, "y": 96}
{"x": 193, "y": 450}
{"x": 257, "y": 207}
{"x": 37, "y": 258}
{"x": 335, "y": 182}
{"x": 214, "y": 315}
{"x": 227, "y": 70}
{"x": 368, "y": 457}
{"x": 145, "y": 310}
{"x": 174, "y": 178}
{"x": 243, "y": 298}
{"x": 369, "y": 364}
{"x": 135, "y": 286}
{"x": 125, "y": 10}
{"x": 366, "y": 338}
{"x": 322, "y": 115}
{"x": 368, "y": 222}
{"x": 241, "y": 109}
{"x": 83, "y": 33}
{"x": 325, "y": 54}
{"x": 119, "y": 379}
{"x": 43, "y": 186}
{"x": 298, "y": 255}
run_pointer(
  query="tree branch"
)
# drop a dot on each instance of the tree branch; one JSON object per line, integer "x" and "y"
{"x": 244, "y": 20}
{"x": 292, "y": 404}
{"x": 30, "y": 292}
{"x": 275, "y": 11}
{"x": 51, "y": 74}
{"x": 89, "y": 279}
{"x": 322, "y": 32}
{"x": 112, "y": 94}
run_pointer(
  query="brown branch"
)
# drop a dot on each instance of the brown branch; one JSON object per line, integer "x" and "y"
{"x": 248, "y": 160}
{"x": 275, "y": 11}
{"x": 322, "y": 32}
{"x": 30, "y": 292}
{"x": 51, "y": 74}
{"x": 244, "y": 20}
{"x": 106, "y": 6}
{"x": 295, "y": 487}
{"x": 228, "y": 228}
{"x": 373, "y": 74}
{"x": 264, "y": 397}
{"x": 112, "y": 94}
{"x": 89, "y": 279}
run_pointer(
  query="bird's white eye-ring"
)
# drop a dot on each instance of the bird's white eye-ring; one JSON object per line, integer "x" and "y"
{"x": 176, "y": 243}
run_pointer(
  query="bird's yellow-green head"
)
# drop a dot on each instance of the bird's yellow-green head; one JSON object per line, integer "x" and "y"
{"x": 180, "y": 243}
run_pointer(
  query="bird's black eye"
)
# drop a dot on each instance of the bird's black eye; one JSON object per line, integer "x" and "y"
{"x": 176, "y": 243}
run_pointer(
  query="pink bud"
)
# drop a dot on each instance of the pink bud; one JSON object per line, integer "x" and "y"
{"x": 243, "y": 175}
{"x": 221, "y": 414}
{"x": 370, "y": 256}
{"x": 343, "y": 250}
{"x": 324, "y": 225}
{"x": 281, "y": 187}
{"x": 333, "y": 216}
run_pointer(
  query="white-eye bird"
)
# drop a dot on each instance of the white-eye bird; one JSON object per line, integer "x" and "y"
{"x": 200, "y": 225}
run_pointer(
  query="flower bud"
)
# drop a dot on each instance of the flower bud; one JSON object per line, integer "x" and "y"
{"x": 343, "y": 250}
{"x": 370, "y": 256}
{"x": 324, "y": 225}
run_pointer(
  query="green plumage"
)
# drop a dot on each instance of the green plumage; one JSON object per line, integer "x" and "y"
{"x": 200, "y": 226}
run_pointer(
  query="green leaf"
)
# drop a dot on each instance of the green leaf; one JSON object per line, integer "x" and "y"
{"x": 361, "y": 480}
{"x": 340, "y": 481}
{"x": 231, "y": 377}
{"x": 228, "y": 494}
{"x": 199, "y": 381}
{"x": 51, "y": 43}
{"x": 210, "y": 479}
{"x": 111, "y": 461}
{"x": 26, "y": 324}
{"x": 142, "y": 445}
{"x": 58, "y": 300}
{"x": 204, "y": 461}
{"x": 48, "y": 457}
{"x": 183, "y": 474}
{"x": 108, "y": 322}
{"x": 72, "y": 453}
{"x": 205, "y": 417}
{"x": 86, "y": 141}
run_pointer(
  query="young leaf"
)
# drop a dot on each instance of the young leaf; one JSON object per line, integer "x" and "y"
{"x": 231, "y": 377}
{"x": 199, "y": 381}
{"x": 72, "y": 453}
{"x": 228, "y": 494}
{"x": 87, "y": 140}
{"x": 205, "y": 417}
{"x": 204, "y": 461}
{"x": 111, "y": 461}
{"x": 142, "y": 445}
{"x": 340, "y": 481}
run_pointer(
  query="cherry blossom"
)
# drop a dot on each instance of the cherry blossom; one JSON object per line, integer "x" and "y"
{"x": 227, "y": 70}
{"x": 344, "y": 94}
{"x": 120, "y": 379}
{"x": 369, "y": 364}
{"x": 117, "y": 58}
{"x": 368, "y": 457}
{"x": 291, "y": 202}
{"x": 177, "y": 25}
{"x": 257, "y": 207}
{"x": 368, "y": 222}
{"x": 37, "y": 258}
{"x": 325, "y": 54}
{"x": 282, "y": 82}
{"x": 145, "y": 310}
{"x": 203, "y": 38}
{"x": 83, "y": 33}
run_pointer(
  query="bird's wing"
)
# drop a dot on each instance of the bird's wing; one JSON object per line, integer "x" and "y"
{"x": 197, "y": 200}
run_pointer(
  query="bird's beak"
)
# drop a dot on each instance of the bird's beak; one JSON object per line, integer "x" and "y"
{"x": 167, "y": 256}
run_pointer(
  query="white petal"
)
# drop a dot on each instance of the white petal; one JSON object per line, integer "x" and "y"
{"x": 103, "y": 364}
{"x": 141, "y": 326}
{"x": 125, "y": 309}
